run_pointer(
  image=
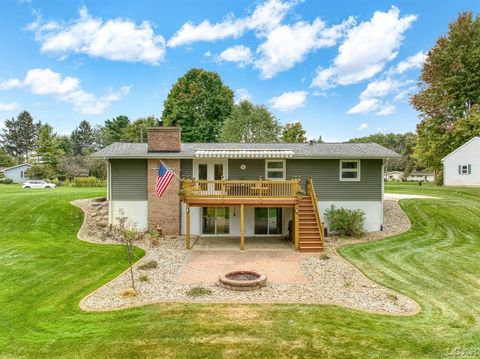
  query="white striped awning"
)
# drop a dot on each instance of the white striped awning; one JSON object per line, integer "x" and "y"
{"x": 244, "y": 153}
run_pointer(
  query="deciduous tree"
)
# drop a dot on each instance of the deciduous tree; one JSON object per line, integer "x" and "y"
{"x": 198, "y": 103}
{"x": 250, "y": 123}
{"x": 293, "y": 132}
{"x": 449, "y": 89}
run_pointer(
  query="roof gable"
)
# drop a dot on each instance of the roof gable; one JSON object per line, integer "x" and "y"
{"x": 477, "y": 138}
{"x": 17, "y": 166}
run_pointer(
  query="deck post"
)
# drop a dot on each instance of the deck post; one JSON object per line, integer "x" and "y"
{"x": 242, "y": 226}
{"x": 296, "y": 230}
{"x": 187, "y": 227}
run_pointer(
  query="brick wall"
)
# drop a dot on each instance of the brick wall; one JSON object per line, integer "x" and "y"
{"x": 163, "y": 139}
{"x": 165, "y": 210}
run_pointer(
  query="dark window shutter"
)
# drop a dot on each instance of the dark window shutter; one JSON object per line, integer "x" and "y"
{"x": 469, "y": 169}
{"x": 459, "y": 169}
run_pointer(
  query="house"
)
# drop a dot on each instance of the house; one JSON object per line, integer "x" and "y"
{"x": 244, "y": 189}
{"x": 415, "y": 176}
{"x": 17, "y": 173}
{"x": 394, "y": 176}
{"x": 462, "y": 166}
{"x": 421, "y": 176}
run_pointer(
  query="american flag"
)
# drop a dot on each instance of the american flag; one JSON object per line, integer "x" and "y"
{"x": 165, "y": 176}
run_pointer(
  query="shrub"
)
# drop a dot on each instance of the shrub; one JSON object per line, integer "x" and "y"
{"x": 8, "y": 181}
{"x": 143, "y": 278}
{"x": 149, "y": 265}
{"x": 198, "y": 292}
{"x": 324, "y": 256}
{"x": 346, "y": 222}
{"x": 88, "y": 182}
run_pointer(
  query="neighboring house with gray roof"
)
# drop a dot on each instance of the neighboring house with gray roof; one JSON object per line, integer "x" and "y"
{"x": 245, "y": 189}
{"x": 17, "y": 173}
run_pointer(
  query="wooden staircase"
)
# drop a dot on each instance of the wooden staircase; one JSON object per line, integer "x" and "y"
{"x": 310, "y": 227}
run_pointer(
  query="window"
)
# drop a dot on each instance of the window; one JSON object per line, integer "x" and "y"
{"x": 349, "y": 170}
{"x": 464, "y": 169}
{"x": 275, "y": 169}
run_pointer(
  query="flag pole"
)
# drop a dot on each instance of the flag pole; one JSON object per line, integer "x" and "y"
{"x": 170, "y": 170}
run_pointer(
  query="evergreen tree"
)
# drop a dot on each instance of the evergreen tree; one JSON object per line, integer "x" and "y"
{"x": 293, "y": 132}
{"x": 112, "y": 131}
{"x": 19, "y": 135}
{"x": 198, "y": 103}
{"x": 137, "y": 131}
{"x": 48, "y": 146}
{"x": 250, "y": 123}
{"x": 83, "y": 139}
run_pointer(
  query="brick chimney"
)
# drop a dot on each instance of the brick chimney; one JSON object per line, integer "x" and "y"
{"x": 163, "y": 139}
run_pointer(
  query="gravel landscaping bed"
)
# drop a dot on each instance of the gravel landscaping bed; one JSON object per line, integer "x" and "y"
{"x": 333, "y": 280}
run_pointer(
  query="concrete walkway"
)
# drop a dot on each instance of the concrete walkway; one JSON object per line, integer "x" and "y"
{"x": 399, "y": 196}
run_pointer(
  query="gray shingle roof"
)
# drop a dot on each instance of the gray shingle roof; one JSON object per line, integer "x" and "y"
{"x": 302, "y": 150}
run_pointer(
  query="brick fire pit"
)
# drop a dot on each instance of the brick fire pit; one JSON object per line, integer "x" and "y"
{"x": 243, "y": 280}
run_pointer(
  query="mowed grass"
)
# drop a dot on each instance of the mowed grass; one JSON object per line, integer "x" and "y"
{"x": 45, "y": 271}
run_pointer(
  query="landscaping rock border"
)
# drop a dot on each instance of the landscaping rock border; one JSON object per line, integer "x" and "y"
{"x": 333, "y": 280}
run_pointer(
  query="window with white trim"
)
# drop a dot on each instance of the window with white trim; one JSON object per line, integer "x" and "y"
{"x": 464, "y": 169}
{"x": 349, "y": 170}
{"x": 275, "y": 169}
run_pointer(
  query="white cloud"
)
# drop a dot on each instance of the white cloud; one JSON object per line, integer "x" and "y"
{"x": 8, "y": 107}
{"x": 385, "y": 110}
{"x": 114, "y": 39}
{"x": 265, "y": 17}
{"x": 67, "y": 89}
{"x": 380, "y": 88}
{"x": 366, "y": 49}
{"x": 239, "y": 53}
{"x": 363, "y": 126}
{"x": 373, "y": 105}
{"x": 242, "y": 95}
{"x": 364, "y": 107}
{"x": 413, "y": 62}
{"x": 288, "y": 101}
{"x": 10, "y": 84}
{"x": 47, "y": 82}
{"x": 287, "y": 45}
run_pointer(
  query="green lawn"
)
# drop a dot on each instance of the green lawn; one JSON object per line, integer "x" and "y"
{"x": 45, "y": 271}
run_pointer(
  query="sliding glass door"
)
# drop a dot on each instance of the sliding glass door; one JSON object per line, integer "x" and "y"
{"x": 215, "y": 220}
{"x": 268, "y": 221}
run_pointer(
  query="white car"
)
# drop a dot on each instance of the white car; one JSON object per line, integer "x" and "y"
{"x": 38, "y": 184}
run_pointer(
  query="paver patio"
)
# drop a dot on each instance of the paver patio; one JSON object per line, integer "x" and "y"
{"x": 280, "y": 266}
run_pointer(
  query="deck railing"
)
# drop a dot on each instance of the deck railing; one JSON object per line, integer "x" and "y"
{"x": 240, "y": 189}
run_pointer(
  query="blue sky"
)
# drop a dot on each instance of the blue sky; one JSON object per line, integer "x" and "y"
{"x": 343, "y": 69}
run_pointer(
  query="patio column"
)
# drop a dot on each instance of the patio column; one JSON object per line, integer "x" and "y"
{"x": 242, "y": 226}
{"x": 296, "y": 228}
{"x": 187, "y": 227}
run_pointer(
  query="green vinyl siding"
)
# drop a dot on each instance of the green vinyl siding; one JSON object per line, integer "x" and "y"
{"x": 186, "y": 168}
{"x": 129, "y": 180}
{"x": 326, "y": 179}
{"x": 255, "y": 169}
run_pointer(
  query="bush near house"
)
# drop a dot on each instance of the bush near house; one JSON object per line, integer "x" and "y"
{"x": 346, "y": 222}
{"x": 88, "y": 182}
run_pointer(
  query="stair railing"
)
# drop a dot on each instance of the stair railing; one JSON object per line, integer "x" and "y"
{"x": 313, "y": 196}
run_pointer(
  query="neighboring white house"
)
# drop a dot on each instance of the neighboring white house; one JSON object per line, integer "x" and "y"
{"x": 416, "y": 176}
{"x": 17, "y": 173}
{"x": 462, "y": 166}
